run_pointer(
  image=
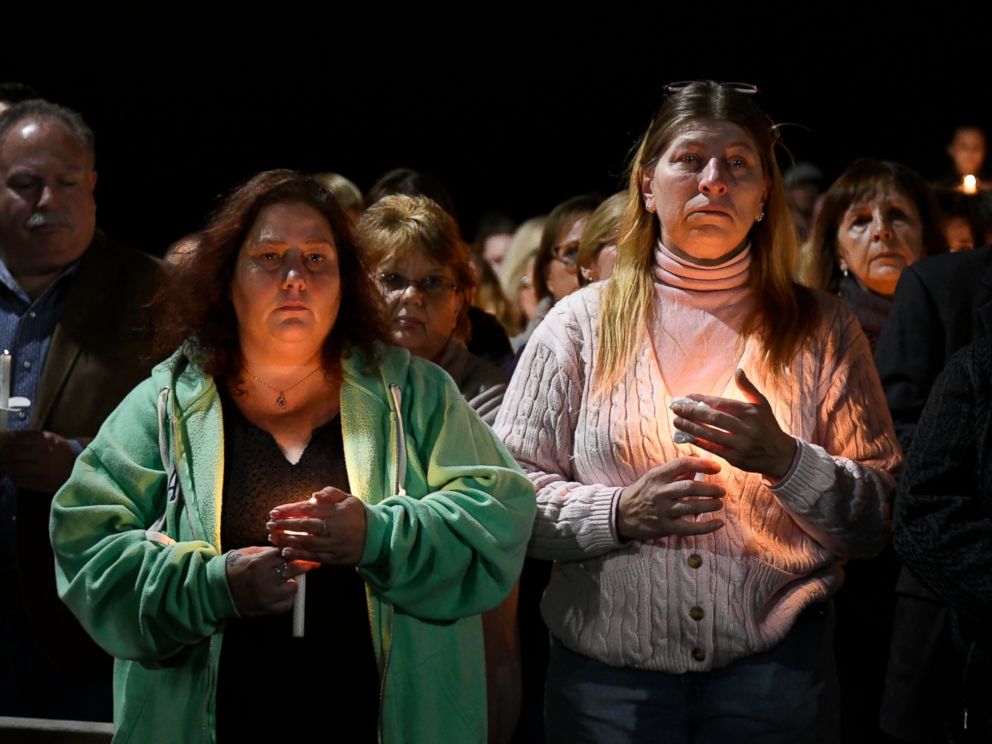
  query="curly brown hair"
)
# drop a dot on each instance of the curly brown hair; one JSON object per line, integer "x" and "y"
{"x": 194, "y": 307}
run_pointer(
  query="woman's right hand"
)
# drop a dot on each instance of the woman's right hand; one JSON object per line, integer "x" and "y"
{"x": 654, "y": 505}
{"x": 261, "y": 581}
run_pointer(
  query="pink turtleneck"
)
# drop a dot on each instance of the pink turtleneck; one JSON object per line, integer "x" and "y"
{"x": 700, "y": 313}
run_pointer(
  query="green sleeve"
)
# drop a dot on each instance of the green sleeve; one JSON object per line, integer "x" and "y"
{"x": 456, "y": 550}
{"x": 139, "y": 598}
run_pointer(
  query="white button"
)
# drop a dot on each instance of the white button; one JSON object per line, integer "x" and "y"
{"x": 22, "y": 415}
{"x": 32, "y": 314}
{"x": 27, "y": 364}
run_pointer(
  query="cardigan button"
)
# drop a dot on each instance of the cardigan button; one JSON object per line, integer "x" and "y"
{"x": 696, "y": 613}
{"x": 698, "y": 654}
{"x": 695, "y": 560}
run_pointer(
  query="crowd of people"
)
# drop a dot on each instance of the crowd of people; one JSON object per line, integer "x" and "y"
{"x": 632, "y": 470}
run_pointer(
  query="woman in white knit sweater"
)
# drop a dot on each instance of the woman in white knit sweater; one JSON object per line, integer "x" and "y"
{"x": 709, "y": 442}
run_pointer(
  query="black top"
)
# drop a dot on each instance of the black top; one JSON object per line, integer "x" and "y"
{"x": 271, "y": 684}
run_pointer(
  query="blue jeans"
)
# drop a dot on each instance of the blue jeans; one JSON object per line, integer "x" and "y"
{"x": 787, "y": 694}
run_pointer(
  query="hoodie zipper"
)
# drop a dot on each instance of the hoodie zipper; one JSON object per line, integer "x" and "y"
{"x": 399, "y": 490}
{"x": 398, "y": 487}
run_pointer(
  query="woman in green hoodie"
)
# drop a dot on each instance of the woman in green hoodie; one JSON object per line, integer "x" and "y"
{"x": 282, "y": 403}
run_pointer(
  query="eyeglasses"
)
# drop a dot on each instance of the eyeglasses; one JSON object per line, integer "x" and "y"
{"x": 680, "y": 85}
{"x": 567, "y": 254}
{"x": 431, "y": 286}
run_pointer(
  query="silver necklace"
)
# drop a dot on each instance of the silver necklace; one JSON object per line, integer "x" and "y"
{"x": 281, "y": 398}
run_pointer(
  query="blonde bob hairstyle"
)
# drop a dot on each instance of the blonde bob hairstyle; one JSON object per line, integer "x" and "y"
{"x": 401, "y": 224}
{"x": 784, "y": 313}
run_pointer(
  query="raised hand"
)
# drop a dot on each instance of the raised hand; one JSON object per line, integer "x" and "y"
{"x": 744, "y": 433}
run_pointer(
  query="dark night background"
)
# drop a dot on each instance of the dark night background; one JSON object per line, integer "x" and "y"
{"x": 510, "y": 110}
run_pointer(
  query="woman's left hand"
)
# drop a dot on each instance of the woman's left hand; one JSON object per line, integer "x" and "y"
{"x": 744, "y": 433}
{"x": 328, "y": 528}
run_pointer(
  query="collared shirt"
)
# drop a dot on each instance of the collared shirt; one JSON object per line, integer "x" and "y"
{"x": 26, "y": 330}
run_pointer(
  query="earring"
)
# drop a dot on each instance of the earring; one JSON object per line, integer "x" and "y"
{"x": 760, "y": 217}
{"x": 649, "y": 206}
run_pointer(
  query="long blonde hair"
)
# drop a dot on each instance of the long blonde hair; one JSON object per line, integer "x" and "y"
{"x": 784, "y": 314}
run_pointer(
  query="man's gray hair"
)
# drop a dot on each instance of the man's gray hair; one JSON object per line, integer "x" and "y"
{"x": 39, "y": 109}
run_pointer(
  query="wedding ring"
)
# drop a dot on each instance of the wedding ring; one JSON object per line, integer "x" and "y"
{"x": 282, "y": 572}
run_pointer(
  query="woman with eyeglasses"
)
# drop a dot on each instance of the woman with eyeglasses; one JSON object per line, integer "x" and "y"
{"x": 709, "y": 442}
{"x": 425, "y": 274}
{"x": 556, "y": 265}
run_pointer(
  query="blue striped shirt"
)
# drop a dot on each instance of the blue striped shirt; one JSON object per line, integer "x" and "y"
{"x": 26, "y": 329}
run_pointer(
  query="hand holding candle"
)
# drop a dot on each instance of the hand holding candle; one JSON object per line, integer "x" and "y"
{"x": 261, "y": 581}
{"x": 745, "y": 432}
{"x": 328, "y": 528}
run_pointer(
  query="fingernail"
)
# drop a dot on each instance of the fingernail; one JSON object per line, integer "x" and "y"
{"x": 679, "y": 402}
{"x": 273, "y": 514}
{"x": 682, "y": 437}
{"x": 271, "y": 539}
{"x": 269, "y": 525}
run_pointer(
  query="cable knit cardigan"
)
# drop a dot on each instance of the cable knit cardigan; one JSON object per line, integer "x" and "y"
{"x": 680, "y": 604}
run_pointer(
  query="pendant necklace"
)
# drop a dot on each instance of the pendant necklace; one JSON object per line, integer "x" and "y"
{"x": 281, "y": 399}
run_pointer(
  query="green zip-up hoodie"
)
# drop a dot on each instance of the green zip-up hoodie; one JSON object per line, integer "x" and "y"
{"x": 445, "y": 540}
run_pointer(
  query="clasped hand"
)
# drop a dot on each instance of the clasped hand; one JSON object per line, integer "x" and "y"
{"x": 327, "y": 528}
{"x": 744, "y": 433}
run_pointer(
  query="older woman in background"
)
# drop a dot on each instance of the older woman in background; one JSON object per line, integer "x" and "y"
{"x": 709, "y": 442}
{"x": 426, "y": 277}
{"x": 598, "y": 245}
{"x": 876, "y": 219}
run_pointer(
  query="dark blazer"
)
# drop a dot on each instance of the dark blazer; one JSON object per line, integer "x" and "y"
{"x": 100, "y": 351}
{"x": 942, "y": 303}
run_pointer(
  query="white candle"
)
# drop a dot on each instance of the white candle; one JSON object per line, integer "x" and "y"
{"x": 299, "y": 606}
{"x": 4, "y": 388}
{"x": 969, "y": 185}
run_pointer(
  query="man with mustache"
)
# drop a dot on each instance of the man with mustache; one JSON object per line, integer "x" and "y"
{"x": 69, "y": 315}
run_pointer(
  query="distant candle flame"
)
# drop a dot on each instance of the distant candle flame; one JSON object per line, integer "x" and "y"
{"x": 969, "y": 185}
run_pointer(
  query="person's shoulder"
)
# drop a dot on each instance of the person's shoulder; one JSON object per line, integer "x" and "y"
{"x": 134, "y": 275}
{"x": 125, "y": 257}
{"x": 574, "y": 317}
{"x": 392, "y": 365}
{"x": 831, "y": 312}
{"x": 939, "y": 270}
{"x": 837, "y": 328}
{"x": 975, "y": 360}
{"x": 470, "y": 372}
{"x": 585, "y": 301}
